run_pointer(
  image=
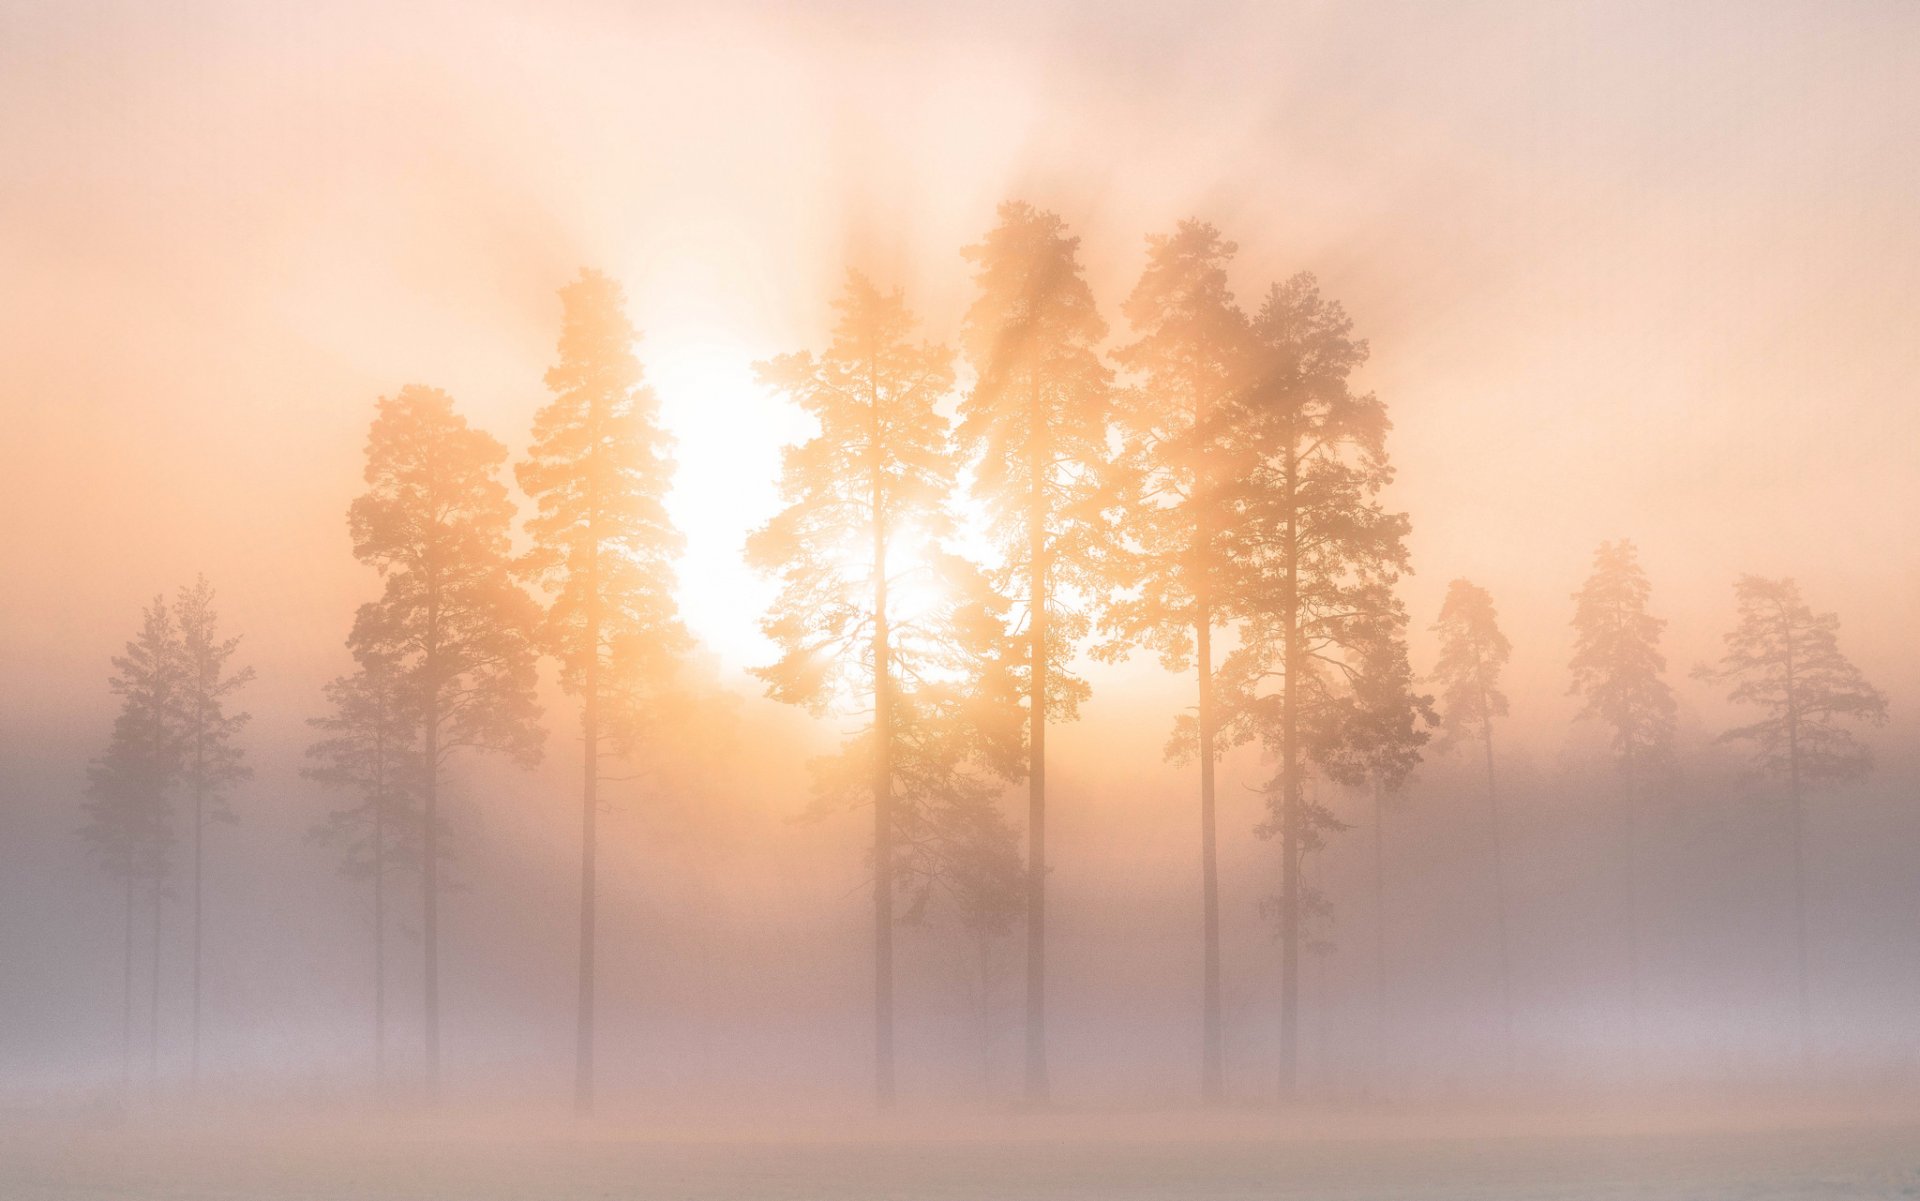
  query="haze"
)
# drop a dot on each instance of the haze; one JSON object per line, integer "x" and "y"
{"x": 1642, "y": 272}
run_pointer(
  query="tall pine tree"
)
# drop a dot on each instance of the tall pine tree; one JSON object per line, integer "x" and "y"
{"x": 873, "y": 613}
{"x": 1322, "y": 629}
{"x": 1785, "y": 659}
{"x": 129, "y": 806}
{"x": 1473, "y": 653}
{"x": 211, "y": 759}
{"x": 436, "y": 522}
{"x": 604, "y": 547}
{"x": 370, "y": 748}
{"x": 1038, "y": 416}
{"x": 1617, "y": 667}
{"x": 1183, "y": 463}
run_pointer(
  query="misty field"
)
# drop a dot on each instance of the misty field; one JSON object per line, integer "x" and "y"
{"x": 1232, "y": 1156}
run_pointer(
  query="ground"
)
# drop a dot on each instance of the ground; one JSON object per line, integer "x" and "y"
{"x": 1188, "y": 1157}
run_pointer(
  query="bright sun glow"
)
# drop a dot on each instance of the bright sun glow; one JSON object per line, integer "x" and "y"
{"x": 728, "y": 431}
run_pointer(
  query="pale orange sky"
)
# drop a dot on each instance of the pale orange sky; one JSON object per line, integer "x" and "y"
{"x": 1627, "y": 271}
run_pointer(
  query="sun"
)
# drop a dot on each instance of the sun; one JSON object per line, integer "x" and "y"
{"x": 728, "y": 432}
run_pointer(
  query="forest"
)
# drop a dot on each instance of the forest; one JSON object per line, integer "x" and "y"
{"x": 865, "y": 600}
{"x": 959, "y": 531}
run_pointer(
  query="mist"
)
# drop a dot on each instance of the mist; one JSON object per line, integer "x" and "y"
{"x": 1623, "y": 274}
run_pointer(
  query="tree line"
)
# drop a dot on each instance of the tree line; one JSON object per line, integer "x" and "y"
{"x": 1210, "y": 492}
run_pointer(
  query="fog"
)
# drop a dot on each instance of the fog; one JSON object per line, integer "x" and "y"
{"x": 1640, "y": 272}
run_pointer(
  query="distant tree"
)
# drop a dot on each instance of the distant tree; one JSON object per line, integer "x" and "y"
{"x": 1179, "y": 516}
{"x": 435, "y": 521}
{"x": 1038, "y": 414}
{"x": 1387, "y": 725}
{"x": 129, "y": 808}
{"x": 1617, "y": 667}
{"x": 1785, "y": 659}
{"x": 1473, "y": 652}
{"x": 370, "y": 749}
{"x": 603, "y": 546}
{"x": 211, "y": 758}
{"x": 1314, "y": 674}
{"x": 874, "y": 614}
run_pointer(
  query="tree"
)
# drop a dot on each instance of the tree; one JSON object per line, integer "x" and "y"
{"x": 603, "y": 546}
{"x": 1038, "y": 416}
{"x": 211, "y": 759}
{"x": 1785, "y": 659}
{"x": 370, "y": 748}
{"x": 435, "y": 521}
{"x": 1179, "y": 518}
{"x": 1473, "y": 652}
{"x": 129, "y": 810}
{"x": 1322, "y": 633}
{"x": 1617, "y": 667}
{"x": 874, "y": 614}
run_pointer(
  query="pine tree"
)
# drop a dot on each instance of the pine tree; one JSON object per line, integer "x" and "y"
{"x": 1038, "y": 417}
{"x": 1473, "y": 653}
{"x": 370, "y": 748}
{"x": 129, "y": 808}
{"x": 212, "y": 761}
{"x": 874, "y": 614}
{"x": 1179, "y": 518}
{"x": 1785, "y": 659}
{"x": 1321, "y": 556}
{"x": 1617, "y": 667}
{"x": 603, "y": 546}
{"x": 435, "y": 521}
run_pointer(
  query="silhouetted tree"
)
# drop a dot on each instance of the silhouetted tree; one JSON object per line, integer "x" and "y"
{"x": 1617, "y": 667}
{"x": 129, "y": 810}
{"x": 370, "y": 748}
{"x": 1785, "y": 659}
{"x": 1038, "y": 414}
{"x": 435, "y": 521}
{"x": 1322, "y": 555}
{"x": 1183, "y": 463}
{"x": 211, "y": 758}
{"x": 1473, "y": 652}
{"x": 603, "y": 546}
{"x": 873, "y": 613}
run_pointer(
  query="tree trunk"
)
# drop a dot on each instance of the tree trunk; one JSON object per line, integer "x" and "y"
{"x": 1500, "y": 904}
{"x": 1038, "y": 1086}
{"x": 1292, "y": 818}
{"x": 153, "y": 993}
{"x": 1630, "y": 870}
{"x": 1212, "y": 1057}
{"x": 430, "y": 893}
{"x": 380, "y": 926}
{"x": 590, "y": 809}
{"x": 199, "y": 836}
{"x": 1799, "y": 862}
{"x": 126, "y": 992}
{"x": 1379, "y": 934}
{"x": 883, "y": 1080}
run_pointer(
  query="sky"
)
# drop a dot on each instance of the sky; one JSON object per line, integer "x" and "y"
{"x": 1627, "y": 270}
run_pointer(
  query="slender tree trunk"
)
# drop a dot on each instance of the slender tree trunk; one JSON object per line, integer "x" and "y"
{"x": 1379, "y": 933}
{"x": 883, "y": 1078}
{"x": 1292, "y": 819}
{"x": 590, "y": 809}
{"x": 430, "y": 890}
{"x": 126, "y": 992}
{"x": 1631, "y": 872}
{"x": 380, "y": 926}
{"x": 199, "y": 836}
{"x": 1500, "y": 903}
{"x": 153, "y": 994}
{"x": 1212, "y": 1057}
{"x": 1799, "y": 863}
{"x": 1038, "y": 1085}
